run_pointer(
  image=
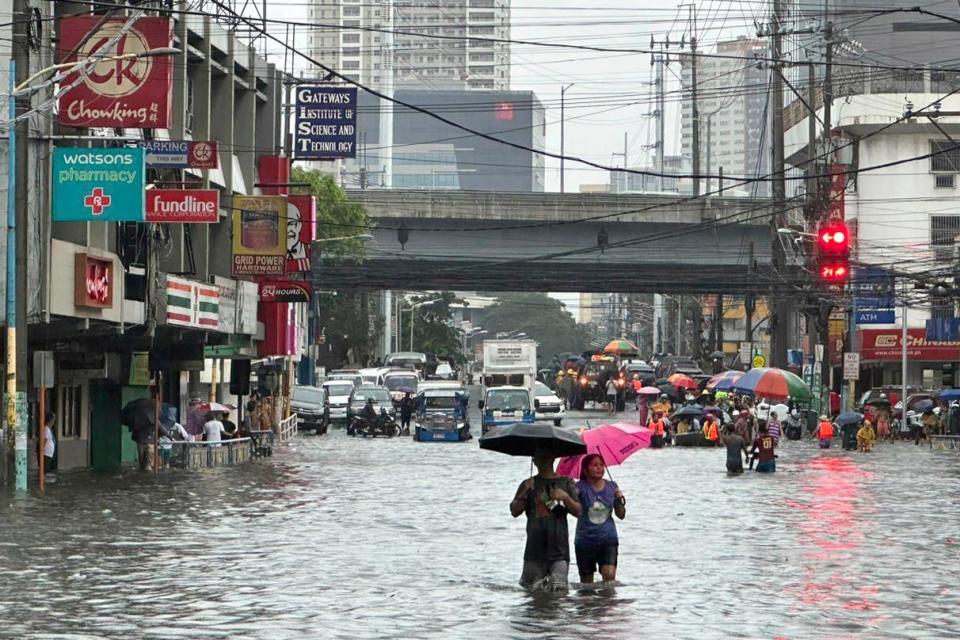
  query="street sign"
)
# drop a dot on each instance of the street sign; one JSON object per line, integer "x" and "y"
{"x": 183, "y": 205}
{"x": 879, "y": 316}
{"x": 851, "y": 366}
{"x": 746, "y": 352}
{"x": 874, "y": 288}
{"x": 758, "y": 361}
{"x": 285, "y": 291}
{"x": 181, "y": 154}
{"x": 326, "y": 126}
{"x": 98, "y": 185}
{"x": 43, "y": 369}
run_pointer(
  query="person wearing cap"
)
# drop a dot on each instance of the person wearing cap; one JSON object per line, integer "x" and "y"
{"x": 546, "y": 499}
{"x": 824, "y": 432}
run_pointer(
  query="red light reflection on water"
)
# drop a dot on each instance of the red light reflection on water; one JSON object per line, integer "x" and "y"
{"x": 829, "y": 530}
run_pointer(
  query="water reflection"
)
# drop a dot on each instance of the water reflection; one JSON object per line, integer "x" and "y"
{"x": 345, "y": 538}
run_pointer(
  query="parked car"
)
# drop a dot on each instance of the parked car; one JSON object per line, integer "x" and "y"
{"x": 308, "y": 403}
{"x": 337, "y": 398}
{"x": 548, "y": 405}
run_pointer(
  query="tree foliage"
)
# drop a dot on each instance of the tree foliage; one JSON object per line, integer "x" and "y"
{"x": 542, "y": 318}
{"x": 433, "y": 330}
{"x": 337, "y": 215}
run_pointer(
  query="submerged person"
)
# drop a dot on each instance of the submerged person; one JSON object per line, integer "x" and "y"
{"x": 825, "y": 433}
{"x": 546, "y": 498}
{"x": 736, "y": 449}
{"x": 658, "y": 430}
{"x": 763, "y": 452}
{"x": 596, "y": 541}
{"x": 866, "y": 437}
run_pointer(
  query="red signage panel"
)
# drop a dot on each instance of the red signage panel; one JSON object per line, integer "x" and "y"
{"x": 183, "y": 205}
{"x": 885, "y": 345}
{"x": 285, "y": 291}
{"x": 92, "y": 282}
{"x": 122, "y": 89}
{"x": 301, "y": 231}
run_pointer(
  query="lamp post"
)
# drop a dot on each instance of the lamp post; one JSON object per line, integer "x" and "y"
{"x": 412, "y": 307}
{"x": 563, "y": 90}
{"x": 16, "y": 380}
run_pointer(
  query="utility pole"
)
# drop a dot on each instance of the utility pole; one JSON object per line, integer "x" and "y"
{"x": 779, "y": 309}
{"x": 17, "y": 214}
{"x": 563, "y": 91}
{"x": 661, "y": 141}
{"x": 694, "y": 108}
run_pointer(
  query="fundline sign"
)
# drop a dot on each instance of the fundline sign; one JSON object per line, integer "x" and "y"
{"x": 326, "y": 126}
{"x": 183, "y": 205}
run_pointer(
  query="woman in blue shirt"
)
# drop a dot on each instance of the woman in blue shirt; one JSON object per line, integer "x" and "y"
{"x": 596, "y": 542}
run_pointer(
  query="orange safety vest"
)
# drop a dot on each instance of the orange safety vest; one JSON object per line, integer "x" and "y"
{"x": 712, "y": 433}
{"x": 826, "y": 430}
{"x": 657, "y": 427}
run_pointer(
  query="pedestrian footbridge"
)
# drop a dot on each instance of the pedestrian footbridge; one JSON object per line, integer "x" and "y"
{"x": 551, "y": 242}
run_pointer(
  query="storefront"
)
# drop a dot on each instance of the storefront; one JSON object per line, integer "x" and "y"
{"x": 929, "y": 364}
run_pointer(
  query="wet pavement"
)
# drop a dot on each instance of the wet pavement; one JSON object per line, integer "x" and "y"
{"x": 338, "y": 537}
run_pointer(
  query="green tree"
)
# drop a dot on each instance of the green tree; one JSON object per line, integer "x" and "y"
{"x": 350, "y": 336}
{"x": 433, "y": 330}
{"x": 542, "y": 318}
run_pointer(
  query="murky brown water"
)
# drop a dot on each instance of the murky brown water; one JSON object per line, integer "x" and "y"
{"x": 346, "y": 538}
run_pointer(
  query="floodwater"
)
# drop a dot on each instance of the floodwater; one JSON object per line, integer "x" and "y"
{"x": 338, "y": 537}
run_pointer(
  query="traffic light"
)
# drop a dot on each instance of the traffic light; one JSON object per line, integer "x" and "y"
{"x": 833, "y": 253}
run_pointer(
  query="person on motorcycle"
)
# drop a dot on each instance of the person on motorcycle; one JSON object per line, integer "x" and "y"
{"x": 368, "y": 413}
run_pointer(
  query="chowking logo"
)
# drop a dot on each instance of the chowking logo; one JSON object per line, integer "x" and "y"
{"x": 885, "y": 341}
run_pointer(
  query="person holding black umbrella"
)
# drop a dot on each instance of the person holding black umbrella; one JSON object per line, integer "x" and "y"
{"x": 546, "y": 499}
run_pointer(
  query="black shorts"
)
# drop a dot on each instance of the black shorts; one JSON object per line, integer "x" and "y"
{"x": 735, "y": 467}
{"x": 590, "y": 559}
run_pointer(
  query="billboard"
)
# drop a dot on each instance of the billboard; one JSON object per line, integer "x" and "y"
{"x": 285, "y": 291}
{"x": 259, "y": 235}
{"x": 183, "y": 205}
{"x": 192, "y": 304}
{"x": 326, "y": 126}
{"x": 98, "y": 184}
{"x": 885, "y": 345}
{"x": 132, "y": 92}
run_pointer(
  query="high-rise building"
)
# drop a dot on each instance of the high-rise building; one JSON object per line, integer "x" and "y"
{"x": 734, "y": 130}
{"x": 426, "y": 44}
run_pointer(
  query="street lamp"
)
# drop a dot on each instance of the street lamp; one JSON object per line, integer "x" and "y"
{"x": 412, "y": 307}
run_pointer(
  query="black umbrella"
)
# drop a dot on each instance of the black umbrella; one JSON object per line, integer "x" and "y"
{"x": 922, "y": 405}
{"x": 524, "y": 439}
{"x": 691, "y": 410}
{"x": 849, "y": 417}
{"x": 717, "y": 355}
{"x": 877, "y": 402}
{"x": 138, "y": 414}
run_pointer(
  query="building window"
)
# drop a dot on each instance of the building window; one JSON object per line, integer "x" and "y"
{"x": 351, "y": 38}
{"x": 353, "y": 12}
{"x": 352, "y": 65}
{"x": 947, "y": 158}
{"x": 945, "y": 180}
{"x": 351, "y": 23}
{"x": 70, "y": 411}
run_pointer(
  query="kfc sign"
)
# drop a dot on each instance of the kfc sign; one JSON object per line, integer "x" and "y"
{"x": 885, "y": 345}
{"x": 301, "y": 228}
{"x": 183, "y": 205}
{"x": 124, "y": 88}
{"x": 93, "y": 282}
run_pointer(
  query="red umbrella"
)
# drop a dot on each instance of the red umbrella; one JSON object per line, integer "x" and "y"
{"x": 683, "y": 381}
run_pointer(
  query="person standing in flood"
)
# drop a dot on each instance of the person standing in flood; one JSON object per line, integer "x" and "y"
{"x": 763, "y": 452}
{"x": 546, "y": 499}
{"x": 736, "y": 449}
{"x": 596, "y": 541}
{"x": 825, "y": 432}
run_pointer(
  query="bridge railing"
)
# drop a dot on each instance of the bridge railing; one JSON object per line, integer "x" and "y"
{"x": 287, "y": 429}
{"x": 202, "y": 454}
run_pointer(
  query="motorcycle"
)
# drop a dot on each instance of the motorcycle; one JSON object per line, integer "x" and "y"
{"x": 384, "y": 426}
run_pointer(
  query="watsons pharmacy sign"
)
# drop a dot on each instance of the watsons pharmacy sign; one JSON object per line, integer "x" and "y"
{"x": 98, "y": 184}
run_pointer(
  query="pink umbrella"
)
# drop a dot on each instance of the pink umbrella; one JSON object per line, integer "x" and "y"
{"x": 650, "y": 391}
{"x": 614, "y": 442}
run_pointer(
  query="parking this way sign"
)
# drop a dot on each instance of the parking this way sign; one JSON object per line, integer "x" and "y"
{"x": 98, "y": 184}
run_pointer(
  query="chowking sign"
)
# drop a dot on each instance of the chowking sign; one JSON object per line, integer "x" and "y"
{"x": 259, "y": 235}
{"x": 131, "y": 91}
{"x": 98, "y": 184}
{"x": 183, "y": 205}
{"x": 285, "y": 291}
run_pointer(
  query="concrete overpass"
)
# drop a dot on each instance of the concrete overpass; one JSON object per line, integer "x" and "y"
{"x": 549, "y": 242}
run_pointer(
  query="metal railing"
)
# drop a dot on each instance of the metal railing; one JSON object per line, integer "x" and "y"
{"x": 286, "y": 429}
{"x": 944, "y": 442}
{"x": 199, "y": 455}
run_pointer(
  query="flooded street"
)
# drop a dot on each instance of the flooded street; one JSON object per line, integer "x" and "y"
{"x": 338, "y": 537}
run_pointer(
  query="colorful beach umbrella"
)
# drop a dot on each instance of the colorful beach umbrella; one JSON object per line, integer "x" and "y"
{"x": 614, "y": 442}
{"x": 683, "y": 381}
{"x": 620, "y": 346}
{"x": 724, "y": 381}
{"x": 775, "y": 384}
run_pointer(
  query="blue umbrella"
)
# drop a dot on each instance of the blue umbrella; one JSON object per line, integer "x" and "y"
{"x": 849, "y": 417}
{"x": 949, "y": 394}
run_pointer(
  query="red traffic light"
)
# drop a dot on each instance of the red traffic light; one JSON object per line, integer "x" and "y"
{"x": 834, "y": 240}
{"x": 835, "y": 273}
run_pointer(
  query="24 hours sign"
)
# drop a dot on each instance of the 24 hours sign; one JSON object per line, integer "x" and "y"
{"x": 98, "y": 184}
